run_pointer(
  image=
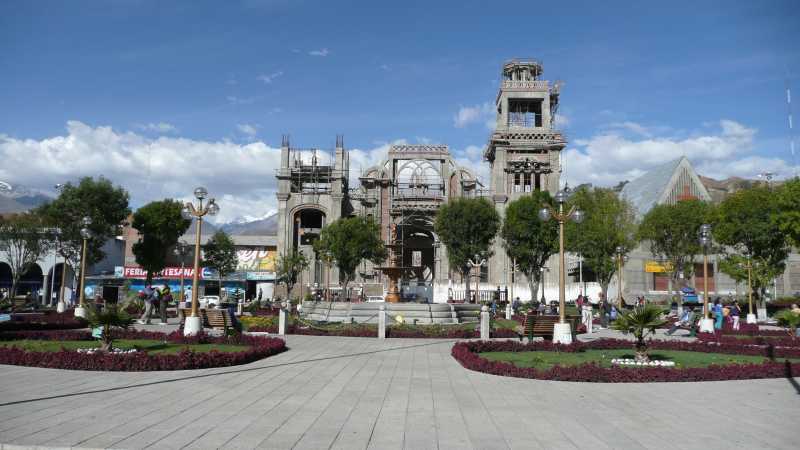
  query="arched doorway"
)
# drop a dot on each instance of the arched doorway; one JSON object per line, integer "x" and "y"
{"x": 30, "y": 282}
{"x": 419, "y": 256}
{"x": 308, "y": 224}
{"x": 57, "y": 282}
{"x": 5, "y": 279}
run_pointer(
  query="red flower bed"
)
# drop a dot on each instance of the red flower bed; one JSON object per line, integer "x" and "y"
{"x": 391, "y": 332}
{"x": 784, "y": 340}
{"x": 260, "y": 347}
{"x": 468, "y": 355}
{"x": 43, "y": 321}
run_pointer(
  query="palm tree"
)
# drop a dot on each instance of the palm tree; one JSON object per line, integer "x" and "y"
{"x": 108, "y": 318}
{"x": 789, "y": 320}
{"x": 642, "y": 322}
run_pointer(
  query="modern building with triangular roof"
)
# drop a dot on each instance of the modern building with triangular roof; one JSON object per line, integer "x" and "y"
{"x": 665, "y": 184}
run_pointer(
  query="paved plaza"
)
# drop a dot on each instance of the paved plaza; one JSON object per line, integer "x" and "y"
{"x": 352, "y": 393}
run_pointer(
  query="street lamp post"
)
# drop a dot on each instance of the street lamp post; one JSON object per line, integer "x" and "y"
{"x": 562, "y": 334}
{"x": 80, "y": 311}
{"x": 620, "y": 251}
{"x": 541, "y": 278}
{"x": 751, "y": 317}
{"x": 707, "y": 324}
{"x": 473, "y": 263}
{"x": 193, "y": 324}
{"x": 180, "y": 251}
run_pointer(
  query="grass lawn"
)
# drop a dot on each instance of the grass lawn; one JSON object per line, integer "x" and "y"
{"x": 151, "y": 346}
{"x": 545, "y": 360}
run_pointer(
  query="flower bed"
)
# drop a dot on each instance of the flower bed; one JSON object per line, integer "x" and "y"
{"x": 43, "y": 321}
{"x": 392, "y": 331}
{"x": 260, "y": 347}
{"x": 783, "y": 340}
{"x": 468, "y": 355}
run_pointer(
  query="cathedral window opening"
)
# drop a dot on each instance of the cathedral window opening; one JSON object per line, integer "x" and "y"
{"x": 527, "y": 182}
{"x": 517, "y": 184}
{"x": 525, "y": 113}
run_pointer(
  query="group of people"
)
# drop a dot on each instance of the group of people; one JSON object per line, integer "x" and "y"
{"x": 607, "y": 311}
{"x": 720, "y": 313}
{"x": 158, "y": 298}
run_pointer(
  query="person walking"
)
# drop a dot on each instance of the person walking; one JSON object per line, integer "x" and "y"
{"x": 605, "y": 312}
{"x": 166, "y": 299}
{"x": 717, "y": 312}
{"x": 148, "y": 294}
{"x": 736, "y": 311}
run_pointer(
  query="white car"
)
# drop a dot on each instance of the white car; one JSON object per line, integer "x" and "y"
{"x": 208, "y": 301}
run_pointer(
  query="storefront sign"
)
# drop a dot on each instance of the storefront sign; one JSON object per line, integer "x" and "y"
{"x": 169, "y": 273}
{"x": 255, "y": 260}
{"x": 657, "y": 267}
{"x": 260, "y": 276}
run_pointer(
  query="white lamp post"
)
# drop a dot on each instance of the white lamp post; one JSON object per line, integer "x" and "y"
{"x": 80, "y": 310}
{"x": 192, "y": 324}
{"x": 562, "y": 332}
{"x": 707, "y": 324}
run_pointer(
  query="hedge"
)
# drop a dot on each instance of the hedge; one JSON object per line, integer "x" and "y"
{"x": 468, "y": 355}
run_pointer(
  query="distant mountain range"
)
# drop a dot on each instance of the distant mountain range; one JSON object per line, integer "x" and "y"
{"x": 260, "y": 227}
{"x": 21, "y": 198}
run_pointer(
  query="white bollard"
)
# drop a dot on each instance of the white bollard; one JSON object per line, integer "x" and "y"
{"x": 706, "y": 325}
{"x": 762, "y": 314}
{"x": 509, "y": 311}
{"x": 382, "y": 322}
{"x": 282, "y": 321}
{"x": 751, "y": 318}
{"x": 484, "y": 323}
{"x": 562, "y": 333}
{"x": 587, "y": 319}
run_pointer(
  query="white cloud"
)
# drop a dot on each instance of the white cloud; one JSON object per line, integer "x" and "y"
{"x": 562, "y": 121}
{"x": 248, "y": 129}
{"x": 234, "y": 100}
{"x": 467, "y": 115}
{"x": 320, "y": 52}
{"x": 160, "y": 127}
{"x": 269, "y": 78}
{"x": 385, "y": 67}
{"x": 609, "y": 157}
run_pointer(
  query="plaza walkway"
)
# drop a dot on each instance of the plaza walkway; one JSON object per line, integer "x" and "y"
{"x": 353, "y": 393}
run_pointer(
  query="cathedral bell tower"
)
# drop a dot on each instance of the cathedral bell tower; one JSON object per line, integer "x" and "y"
{"x": 524, "y": 149}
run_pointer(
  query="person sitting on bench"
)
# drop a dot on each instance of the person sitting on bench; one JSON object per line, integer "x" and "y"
{"x": 686, "y": 320}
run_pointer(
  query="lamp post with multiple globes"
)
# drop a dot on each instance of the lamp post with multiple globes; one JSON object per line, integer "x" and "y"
{"x": 562, "y": 334}
{"x": 707, "y": 324}
{"x": 80, "y": 310}
{"x": 193, "y": 324}
{"x": 751, "y": 317}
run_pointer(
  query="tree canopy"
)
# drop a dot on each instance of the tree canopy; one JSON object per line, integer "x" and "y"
{"x": 24, "y": 239}
{"x": 672, "y": 232}
{"x": 467, "y": 227}
{"x": 220, "y": 253}
{"x": 160, "y": 225}
{"x": 349, "y": 241}
{"x": 98, "y": 199}
{"x": 527, "y": 239}
{"x": 288, "y": 268}
{"x": 745, "y": 224}
{"x": 609, "y": 223}
{"x": 787, "y": 215}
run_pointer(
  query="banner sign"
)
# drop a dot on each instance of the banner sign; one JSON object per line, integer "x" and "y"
{"x": 169, "y": 273}
{"x": 260, "y": 276}
{"x": 657, "y": 267}
{"x": 256, "y": 260}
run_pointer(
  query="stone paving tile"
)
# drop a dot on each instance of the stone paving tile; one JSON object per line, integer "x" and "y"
{"x": 351, "y": 393}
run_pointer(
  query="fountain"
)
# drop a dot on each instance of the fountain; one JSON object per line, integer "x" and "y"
{"x": 395, "y": 268}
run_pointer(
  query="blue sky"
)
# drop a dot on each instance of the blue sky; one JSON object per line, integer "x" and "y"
{"x": 90, "y": 86}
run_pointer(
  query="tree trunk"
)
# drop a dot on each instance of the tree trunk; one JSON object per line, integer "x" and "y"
{"x": 641, "y": 351}
{"x": 533, "y": 284}
{"x": 604, "y": 289}
{"x": 465, "y": 272}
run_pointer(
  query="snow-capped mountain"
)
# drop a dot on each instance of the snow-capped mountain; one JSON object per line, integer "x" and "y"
{"x": 20, "y": 198}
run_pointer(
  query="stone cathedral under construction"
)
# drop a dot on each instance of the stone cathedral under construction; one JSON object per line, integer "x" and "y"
{"x": 408, "y": 187}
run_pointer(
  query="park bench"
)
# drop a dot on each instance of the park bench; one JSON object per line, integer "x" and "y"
{"x": 536, "y": 325}
{"x": 692, "y": 326}
{"x": 19, "y": 303}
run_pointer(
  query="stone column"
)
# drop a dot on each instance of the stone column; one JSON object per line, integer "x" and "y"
{"x": 382, "y": 322}
{"x": 282, "y": 319}
{"x": 484, "y": 323}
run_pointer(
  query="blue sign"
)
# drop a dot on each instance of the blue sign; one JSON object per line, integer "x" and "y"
{"x": 5, "y": 317}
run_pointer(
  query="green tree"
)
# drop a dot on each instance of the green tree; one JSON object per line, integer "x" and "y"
{"x": 609, "y": 223}
{"x": 641, "y": 321}
{"x": 160, "y": 225}
{"x": 98, "y": 199}
{"x": 787, "y": 216}
{"x": 467, "y": 227}
{"x": 744, "y": 223}
{"x": 528, "y": 240}
{"x": 349, "y": 241}
{"x": 288, "y": 268}
{"x": 24, "y": 239}
{"x": 220, "y": 253}
{"x": 672, "y": 232}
